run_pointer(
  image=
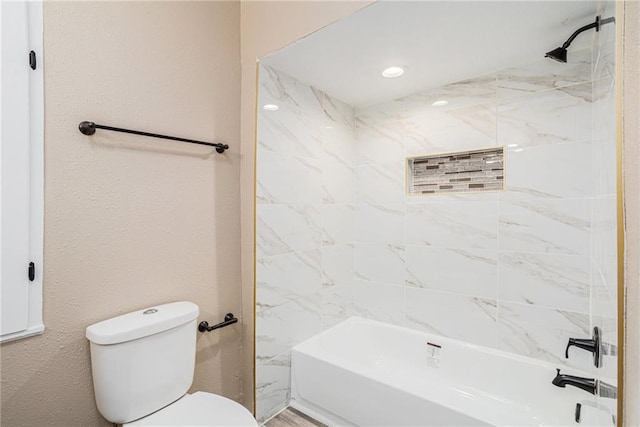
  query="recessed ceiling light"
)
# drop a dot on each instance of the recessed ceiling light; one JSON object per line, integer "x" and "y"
{"x": 270, "y": 107}
{"x": 440, "y": 103}
{"x": 393, "y": 72}
{"x": 512, "y": 145}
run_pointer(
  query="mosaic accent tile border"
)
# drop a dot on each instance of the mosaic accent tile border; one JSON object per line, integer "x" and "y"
{"x": 463, "y": 171}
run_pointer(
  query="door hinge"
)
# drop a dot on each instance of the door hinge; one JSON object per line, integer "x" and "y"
{"x": 32, "y": 60}
{"x": 32, "y": 272}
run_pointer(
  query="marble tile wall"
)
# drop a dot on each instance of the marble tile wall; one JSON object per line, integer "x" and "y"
{"x": 604, "y": 290}
{"x": 520, "y": 270}
{"x": 523, "y": 269}
{"x": 304, "y": 216}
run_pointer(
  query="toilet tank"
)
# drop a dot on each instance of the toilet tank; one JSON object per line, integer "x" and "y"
{"x": 144, "y": 360}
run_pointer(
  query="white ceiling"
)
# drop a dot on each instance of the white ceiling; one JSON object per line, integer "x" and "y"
{"x": 438, "y": 42}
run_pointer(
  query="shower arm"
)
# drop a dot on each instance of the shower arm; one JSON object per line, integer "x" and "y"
{"x": 599, "y": 22}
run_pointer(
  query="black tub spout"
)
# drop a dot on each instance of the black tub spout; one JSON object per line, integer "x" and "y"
{"x": 587, "y": 384}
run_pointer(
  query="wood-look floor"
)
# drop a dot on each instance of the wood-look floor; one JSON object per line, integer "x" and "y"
{"x": 292, "y": 418}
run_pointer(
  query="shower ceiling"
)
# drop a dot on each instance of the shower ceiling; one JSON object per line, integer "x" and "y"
{"x": 436, "y": 42}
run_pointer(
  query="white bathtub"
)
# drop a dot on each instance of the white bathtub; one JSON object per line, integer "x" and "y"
{"x": 367, "y": 373}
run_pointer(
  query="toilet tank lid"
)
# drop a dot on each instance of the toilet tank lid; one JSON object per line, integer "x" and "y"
{"x": 142, "y": 323}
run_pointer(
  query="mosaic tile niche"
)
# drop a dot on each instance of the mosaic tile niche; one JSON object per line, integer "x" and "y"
{"x": 462, "y": 171}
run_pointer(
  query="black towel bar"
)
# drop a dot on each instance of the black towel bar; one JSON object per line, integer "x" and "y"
{"x": 89, "y": 128}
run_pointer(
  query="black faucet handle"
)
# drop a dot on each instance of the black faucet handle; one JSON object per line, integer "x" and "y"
{"x": 583, "y": 343}
{"x": 592, "y": 345}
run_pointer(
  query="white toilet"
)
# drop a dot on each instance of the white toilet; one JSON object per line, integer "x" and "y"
{"x": 143, "y": 365}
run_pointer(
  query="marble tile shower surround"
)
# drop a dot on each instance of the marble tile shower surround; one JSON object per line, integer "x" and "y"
{"x": 520, "y": 270}
{"x": 604, "y": 293}
{"x": 305, "y": 233}
{"x": 528, "y": 252}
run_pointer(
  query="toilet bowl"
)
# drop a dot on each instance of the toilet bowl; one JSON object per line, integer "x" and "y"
{"x": 143, "y": 364}
{"x": 199, "y": 409}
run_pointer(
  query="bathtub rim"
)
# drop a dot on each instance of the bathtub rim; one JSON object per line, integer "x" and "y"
{"x": 312, "y": 348}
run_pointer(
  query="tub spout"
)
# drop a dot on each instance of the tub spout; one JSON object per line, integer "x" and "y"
{"x": 587, "y": 384}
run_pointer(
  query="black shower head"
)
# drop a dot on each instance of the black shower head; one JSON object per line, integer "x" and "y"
{"x": 559, "y": 54}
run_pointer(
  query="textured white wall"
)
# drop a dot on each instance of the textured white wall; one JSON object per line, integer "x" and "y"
{"x": 130, "y": 221}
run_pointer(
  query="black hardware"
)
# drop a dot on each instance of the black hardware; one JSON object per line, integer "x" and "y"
{"x": 587, "y": 384}
{"x": 32, "y": 272}
{"x": 592, "y": 345}
{"x": 560, "y": 54}
{"x": 229, "y": 319}
{"x": 578, "y": 408}
{"x": 32, "y": 60}
{"x": 89, "y": 128}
